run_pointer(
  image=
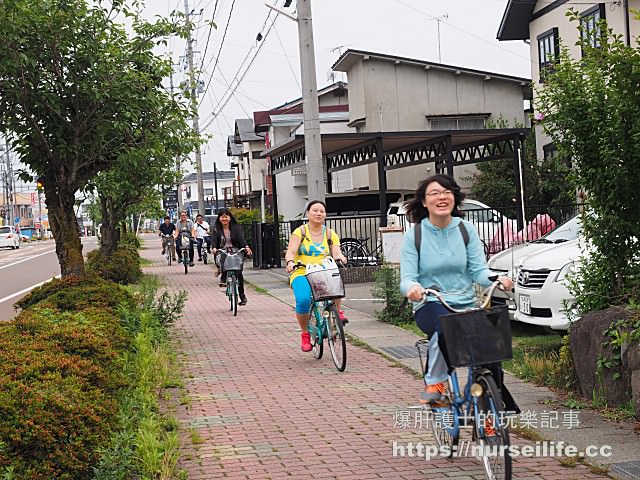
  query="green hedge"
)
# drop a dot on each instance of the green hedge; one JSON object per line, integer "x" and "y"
{"x": 122, "y": 266}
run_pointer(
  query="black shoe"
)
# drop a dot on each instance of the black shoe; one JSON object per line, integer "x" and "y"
{"x": 191, "y": 264}
{"x": 200, "y": 259}
{"x": 163, "y": 251}
{"x": 174, "y": 259}
{"x": 243, "y": 300}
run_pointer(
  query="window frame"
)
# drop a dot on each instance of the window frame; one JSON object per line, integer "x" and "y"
{"x": 587, "y": 18}
{"x": 545, "y": 64}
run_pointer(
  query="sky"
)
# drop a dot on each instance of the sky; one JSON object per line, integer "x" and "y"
{"x": 266, "y": 74}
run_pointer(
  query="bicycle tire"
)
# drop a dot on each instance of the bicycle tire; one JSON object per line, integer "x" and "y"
{"x": 317, "y": 340}
{"x": 234, "y": 296}
{"x": 168, "y": 256}
{"x": 336, "y": 339}
{"x": 185, "y": 261}
{"x": 445, "y": 428}
{"x": 205, "y": 257}
{"x": 355, "y": 252}
{"x": 497, "y": 462}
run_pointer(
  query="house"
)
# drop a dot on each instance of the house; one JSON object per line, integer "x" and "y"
{"x": 391, "y": 93}
{"x": 277, "y": 126}
{"x": 544, "y": 25}
{"x": 189, "y": 190}
{"x": 246, "y": 147}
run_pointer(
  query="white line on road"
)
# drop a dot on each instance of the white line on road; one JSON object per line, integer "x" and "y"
{"x": 28, "y": 289}
{"x": 26, "y": 259}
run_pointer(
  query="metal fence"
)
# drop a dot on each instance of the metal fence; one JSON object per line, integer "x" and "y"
{"x": 360, "y": 240}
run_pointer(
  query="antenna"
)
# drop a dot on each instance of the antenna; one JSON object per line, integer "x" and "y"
{"x": 440, "y": 19}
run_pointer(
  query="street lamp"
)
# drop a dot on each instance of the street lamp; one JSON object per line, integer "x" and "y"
{"x": 39, "y": 188}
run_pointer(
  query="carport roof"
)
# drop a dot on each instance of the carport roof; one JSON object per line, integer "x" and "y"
{"x": 421, "y": 146}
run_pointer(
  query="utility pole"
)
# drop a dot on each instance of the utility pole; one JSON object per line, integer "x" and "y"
{"x": 215, "y": 185}
{"x": 440, "y": 19}
{"x": 178, "y": 160}
{"x": 310, "y": 107}
{"x": 194, "y": 106}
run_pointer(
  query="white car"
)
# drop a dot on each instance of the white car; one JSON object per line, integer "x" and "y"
{"x": 9, "y": 237}
{"x": 487, "y": 221}
{"x": 541, "y": 291}
{"x": 506, "y": 262}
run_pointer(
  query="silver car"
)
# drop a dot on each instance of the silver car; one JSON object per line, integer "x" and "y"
{"x": 9, "y": 237}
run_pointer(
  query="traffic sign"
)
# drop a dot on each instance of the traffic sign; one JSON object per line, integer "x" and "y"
{"x": 17, "y": 220}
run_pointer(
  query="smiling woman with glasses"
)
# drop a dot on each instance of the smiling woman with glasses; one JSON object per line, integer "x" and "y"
{"x": 450, "y": 257}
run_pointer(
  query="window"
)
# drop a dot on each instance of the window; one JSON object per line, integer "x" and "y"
{"x": 548, "y": 51}
{"x": 461, "y": 123}
{"x": 589, "y": 20}
{"x": 550, "y": 151}
{"x": 208, "y": 192}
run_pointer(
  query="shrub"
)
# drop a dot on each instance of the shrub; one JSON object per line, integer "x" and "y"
{"x": 129, "y": 239}
{"x": 55, "y": 285}
{"x": 387, "y": 285}
{"x": 122, "y": 266}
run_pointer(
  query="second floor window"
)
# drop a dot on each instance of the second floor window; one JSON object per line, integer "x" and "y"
{"x": 548, "y": 51}
{"x": 589, "y": 22}
{"x": 463, "y": 123}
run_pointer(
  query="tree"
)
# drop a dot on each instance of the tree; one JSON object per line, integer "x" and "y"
{"x": 74, "y": 89}
{"x": 591, "y": 109}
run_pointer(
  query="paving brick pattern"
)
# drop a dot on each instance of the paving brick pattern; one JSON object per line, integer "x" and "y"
{"x": 259, "y": 408}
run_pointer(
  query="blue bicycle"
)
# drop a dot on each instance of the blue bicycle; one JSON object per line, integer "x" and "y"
{"x": 474, "y": 338}
{"x": 324, "y": 321}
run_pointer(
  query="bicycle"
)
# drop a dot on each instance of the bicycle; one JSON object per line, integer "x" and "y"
{"x": 324, "y": 321}
{"x": 169, "y": 246}
{"x": 231, "y": 264}
{"x": 185, "y": 243}
{"x": 358, "y": 254}
{"x": 204, "y": 245}
{"x": 481, "y": 403}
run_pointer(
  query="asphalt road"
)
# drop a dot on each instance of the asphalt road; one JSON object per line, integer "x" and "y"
{"x": 23, "y": 269}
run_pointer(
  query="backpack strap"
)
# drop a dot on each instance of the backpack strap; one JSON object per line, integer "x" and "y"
{"x": 328, "y": 232}
{"x": 417, "y": 232}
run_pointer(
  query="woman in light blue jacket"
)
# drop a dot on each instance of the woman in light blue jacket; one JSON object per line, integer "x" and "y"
{"x": 451, "y": 258}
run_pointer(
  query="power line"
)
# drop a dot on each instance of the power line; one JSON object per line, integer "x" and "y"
{"x": 206, "y": 47}
{"x": 224, "y": 35}
{"x": 219, "y": 108}
{"x": 288, "y": 62}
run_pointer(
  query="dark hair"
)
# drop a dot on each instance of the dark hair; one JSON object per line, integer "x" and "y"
{"x": 199, "y": 215}
{"x": 225, "y": 211}
{"x": 416, "y": 211}
{"x": 167, "y": 217}
{"x": 313, "y": 202}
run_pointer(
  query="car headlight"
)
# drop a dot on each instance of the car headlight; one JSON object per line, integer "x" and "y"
{"x": 565, "y": 271}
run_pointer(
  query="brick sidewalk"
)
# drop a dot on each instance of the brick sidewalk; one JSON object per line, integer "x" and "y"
{"x": 259, "y": 408}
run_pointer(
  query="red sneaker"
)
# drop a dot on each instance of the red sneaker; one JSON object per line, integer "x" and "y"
{"x": 343, "y": 317}
{"x": 306, "y": 342}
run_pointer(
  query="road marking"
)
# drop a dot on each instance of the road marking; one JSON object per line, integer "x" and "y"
{"x": 28, "y": 289}
{"x": 365, "y": 299}
{"x": 25, "y": 259}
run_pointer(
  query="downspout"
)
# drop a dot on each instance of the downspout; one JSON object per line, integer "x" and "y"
{"x": 625, "y": 6}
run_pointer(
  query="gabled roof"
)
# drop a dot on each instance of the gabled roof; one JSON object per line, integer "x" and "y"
{"x": 233, "y": 149}
{"x": 265, "y": 118}
{"x": 516, "y": 18}
{"x": 321, "y": 92}
{"x": 245, "y": 132}
{"x": 351, "y": 57}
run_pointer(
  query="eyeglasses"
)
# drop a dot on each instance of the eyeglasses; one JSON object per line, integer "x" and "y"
{"x": 437, "y": 193}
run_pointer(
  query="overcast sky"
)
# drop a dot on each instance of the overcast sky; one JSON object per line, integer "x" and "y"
{"x": 398, "y": 27}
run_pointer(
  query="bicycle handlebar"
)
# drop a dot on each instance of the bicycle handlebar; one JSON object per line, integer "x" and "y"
{"x": 302, "y": 265}
{"x": 488, "y": 292}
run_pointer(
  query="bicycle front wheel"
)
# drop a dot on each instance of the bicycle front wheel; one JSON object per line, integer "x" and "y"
{"x": 337, "y": 341}
{"x": 491, "y": 434}
{"x": 185, "y": 260}
{"x": 445, "y": 428}
{"x": 233, "y": 295}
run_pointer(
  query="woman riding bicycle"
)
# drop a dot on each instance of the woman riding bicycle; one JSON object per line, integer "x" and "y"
{"x": 228, "y": 236}
{"x": 185, "y": 228}
{"x": 310, "y": 244}
{"x": 451, "y": 257}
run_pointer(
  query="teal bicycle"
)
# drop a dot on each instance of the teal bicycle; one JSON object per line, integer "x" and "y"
{"x": 324, "y": 321}
{"x": 231, "y": 264}
{"x": 476, "y": 339}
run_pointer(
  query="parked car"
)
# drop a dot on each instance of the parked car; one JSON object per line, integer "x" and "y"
{"x": 9, "y": 237}
{"x": 487, "y": 220}
{"x": 507, "y": 262}
{"x": 541, "y": 291}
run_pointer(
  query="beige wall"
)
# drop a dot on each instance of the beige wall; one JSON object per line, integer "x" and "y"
{"x": 569, "y": 35}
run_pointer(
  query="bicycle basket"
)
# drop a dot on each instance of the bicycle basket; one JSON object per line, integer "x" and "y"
{"x": 326, "y": 284}
{"x": 477, "y": 337}
{"x": 232, "y": 262}
{"x": 185, "y": 242}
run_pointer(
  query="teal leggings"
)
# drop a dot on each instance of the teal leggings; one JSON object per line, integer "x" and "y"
{"x": 302, "y": 292}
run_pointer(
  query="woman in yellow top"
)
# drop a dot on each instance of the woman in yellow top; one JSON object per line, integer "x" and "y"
{"x": 310, "y": 247}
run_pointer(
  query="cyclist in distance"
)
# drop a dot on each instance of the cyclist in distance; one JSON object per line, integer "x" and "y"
{"x": 310, "y": 244}
{"x": 167, "y": 228}
{"x": 229, "y": 236}
{"x": 187, "y": 227}
{"x": 202, "y": 235}
{"x": 441, "y": 263}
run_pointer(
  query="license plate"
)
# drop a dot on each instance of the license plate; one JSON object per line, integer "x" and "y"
{"x": 525, "y": 304}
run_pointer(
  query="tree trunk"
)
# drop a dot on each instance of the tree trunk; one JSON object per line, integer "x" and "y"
{"x": 108, "y": 231}
{"x": 64, "y": 226}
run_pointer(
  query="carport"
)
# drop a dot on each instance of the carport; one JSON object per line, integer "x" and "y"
{"x": 391, "y": 150}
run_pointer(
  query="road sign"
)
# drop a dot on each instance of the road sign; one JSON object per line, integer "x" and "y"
{"x": 17, "y": 220}
{"x": 170, "y": 198}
